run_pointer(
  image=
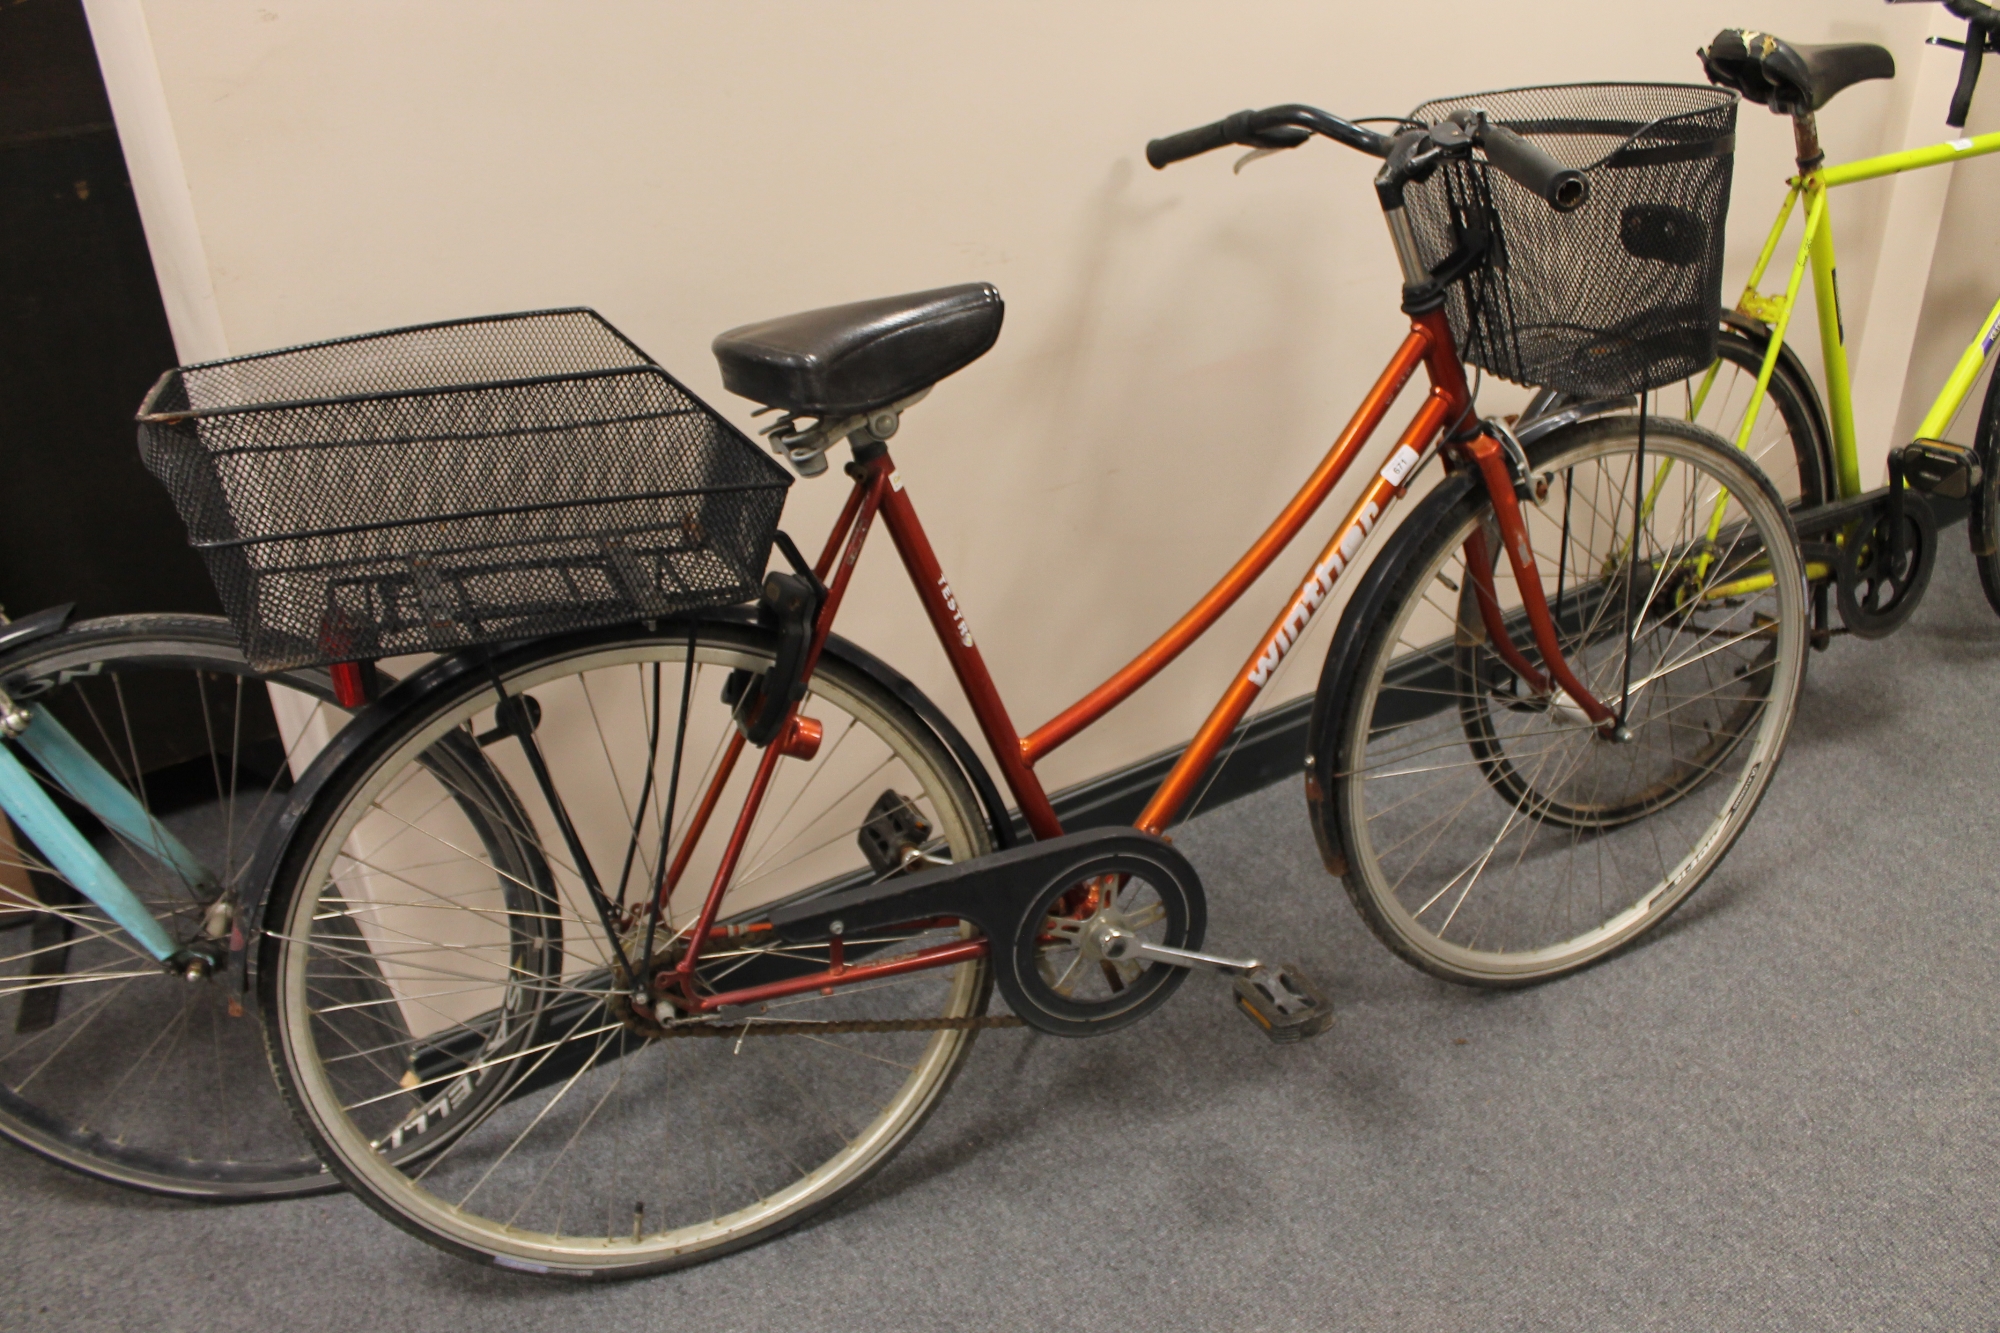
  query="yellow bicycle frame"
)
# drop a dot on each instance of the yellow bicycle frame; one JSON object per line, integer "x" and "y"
{"x": 1816, "y": 249}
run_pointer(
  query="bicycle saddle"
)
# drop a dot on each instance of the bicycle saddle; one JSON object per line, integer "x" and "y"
{"x": 1789, "y": 79}
{"x": 847, "y": 359}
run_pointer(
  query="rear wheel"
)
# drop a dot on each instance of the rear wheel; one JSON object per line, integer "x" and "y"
{"x": 1983, "y": 519}
{"x": 1789, "y": 442}
{"x": 1497, "y": 837}
{"x": 108, "y": 1064}
{"x": 627, "y": 1139}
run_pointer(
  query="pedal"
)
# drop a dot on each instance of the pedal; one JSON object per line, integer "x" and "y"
{"x": 1939, "y": 467}
{"x": 1283, "y": 1003}
{"x": 893, "y": 835}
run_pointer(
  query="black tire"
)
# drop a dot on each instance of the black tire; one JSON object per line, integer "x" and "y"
{"x": 1983, "y": 516}
{"x": 109, "y": 1065}
{"x": 604, "y": 1109}
{"x": 1495, "y": 838}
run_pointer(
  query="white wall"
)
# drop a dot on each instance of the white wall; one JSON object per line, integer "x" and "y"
{"x": 1180, "y": 347}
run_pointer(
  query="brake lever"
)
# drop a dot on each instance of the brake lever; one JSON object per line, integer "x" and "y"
{"x": 1252, "y": 156}
{"x": 1265, "y": 142}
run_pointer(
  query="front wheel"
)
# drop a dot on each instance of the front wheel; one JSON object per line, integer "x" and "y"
{"x": 1496, "y": 837}
{"x": 507, "y": 1100}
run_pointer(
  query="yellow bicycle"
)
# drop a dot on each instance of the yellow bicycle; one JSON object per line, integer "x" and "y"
{"x": 1869, "y": 551}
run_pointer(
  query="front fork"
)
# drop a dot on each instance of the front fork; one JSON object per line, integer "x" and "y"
{"x": 1486, "y": 453}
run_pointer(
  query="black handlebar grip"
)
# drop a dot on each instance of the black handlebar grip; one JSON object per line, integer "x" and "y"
{"x": 1968, "y": 76}
{"x": 1534, "y": 170}
{"x": 1974, "y": 11}
{"x": 1193, "y": 143}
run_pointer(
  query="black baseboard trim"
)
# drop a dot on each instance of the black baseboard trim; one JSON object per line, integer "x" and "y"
{"x": 1271, "y": 747}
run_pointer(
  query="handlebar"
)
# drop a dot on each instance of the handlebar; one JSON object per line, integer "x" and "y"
{"x": 1165, "y": 151}
{"x": 1291, "y": 125}
{"x": 1207, "y": 138}
{"x": 1968, "y": 78}
{"x": 1973, "y": 11}
{"x": 1982, "y": 27}
{"x": 1982, "y": 34}
{"x": 1274, "y": 127}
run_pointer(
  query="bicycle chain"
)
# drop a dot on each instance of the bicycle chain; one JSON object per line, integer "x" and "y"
{"x": 780, "y": 1027}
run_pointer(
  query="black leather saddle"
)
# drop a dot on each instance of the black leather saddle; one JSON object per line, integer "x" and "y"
{"x": 1791, "y": 79}
{"x": 847, "y": 359}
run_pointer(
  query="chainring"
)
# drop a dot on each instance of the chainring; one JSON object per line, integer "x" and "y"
{"x": 1877, "y": 587}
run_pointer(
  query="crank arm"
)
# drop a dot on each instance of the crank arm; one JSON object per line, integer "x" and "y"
{"x": 1160, "y": 953}
{"x": 1279, "y": 1000}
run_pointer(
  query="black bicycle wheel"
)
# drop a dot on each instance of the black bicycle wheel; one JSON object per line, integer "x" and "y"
{"x": 110, "y": 1065}
{"x": 625, "y": 1143}
{"x": 1983, "y": 517}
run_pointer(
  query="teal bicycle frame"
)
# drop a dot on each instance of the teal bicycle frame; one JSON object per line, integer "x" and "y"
{"x": 34, "y": 812}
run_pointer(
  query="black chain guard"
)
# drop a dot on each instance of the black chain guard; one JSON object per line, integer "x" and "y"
{"x": 1050, "y": 925}
{"x": 1008, "y": 896}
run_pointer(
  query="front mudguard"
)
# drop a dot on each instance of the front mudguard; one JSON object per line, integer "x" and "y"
{"x": 1341, "y": 671}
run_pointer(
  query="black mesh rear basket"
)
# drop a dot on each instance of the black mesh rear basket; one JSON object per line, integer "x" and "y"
{"x": 430, "y": 488}
{"x": 1621, "y": 295}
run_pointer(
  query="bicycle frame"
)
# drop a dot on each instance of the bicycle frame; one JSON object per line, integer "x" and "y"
{"x": 85, "y": 780}
{"x": 1816, "y": 251}
{"x": 878, "y": 493}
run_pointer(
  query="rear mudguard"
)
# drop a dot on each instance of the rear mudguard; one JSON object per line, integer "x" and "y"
{"x": 445, "y": 672}
{"x": 1759, "y": 334}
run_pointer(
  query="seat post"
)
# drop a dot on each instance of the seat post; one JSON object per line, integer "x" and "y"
{"x": 1805, "y": 137}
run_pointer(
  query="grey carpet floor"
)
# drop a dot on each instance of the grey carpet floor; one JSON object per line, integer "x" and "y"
{"x": 1779, "y": 1112}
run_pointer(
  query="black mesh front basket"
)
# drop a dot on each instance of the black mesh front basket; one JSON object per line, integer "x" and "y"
{"x": 1621, "y": 295}
{"x": 430, "y": 488}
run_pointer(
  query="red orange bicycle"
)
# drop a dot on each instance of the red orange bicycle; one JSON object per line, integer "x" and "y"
{"x": 604, "y": 952}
